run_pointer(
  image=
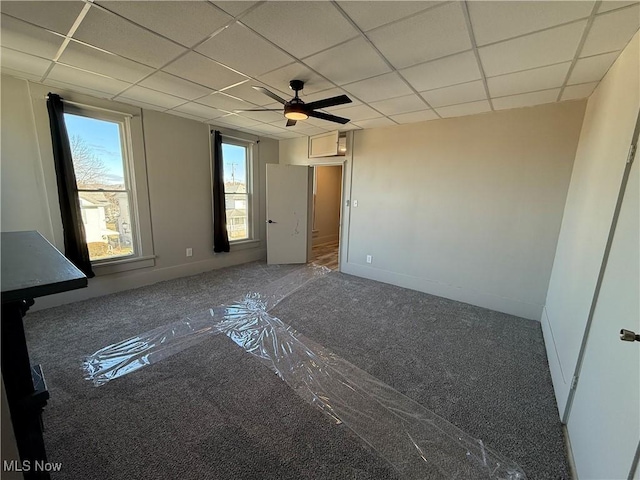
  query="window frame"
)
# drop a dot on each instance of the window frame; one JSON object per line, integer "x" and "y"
{"x": 135, "y": 172}
{"x": 248, "y": 145}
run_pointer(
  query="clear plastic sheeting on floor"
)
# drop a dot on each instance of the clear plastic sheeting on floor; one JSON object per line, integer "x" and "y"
{"x": 415, "y": 441}
{"x": 151, "y": 347}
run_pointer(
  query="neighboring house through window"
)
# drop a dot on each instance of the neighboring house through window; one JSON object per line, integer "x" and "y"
{"x": 236, "y": 156}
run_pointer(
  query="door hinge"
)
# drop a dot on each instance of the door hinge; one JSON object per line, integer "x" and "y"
{"x": 632, "y": 152}
{"x": 574, "y": 383}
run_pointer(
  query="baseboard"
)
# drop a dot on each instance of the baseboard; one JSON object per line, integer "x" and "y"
{"x": 561, "y": 380}
{"x": 569, "y": 451}
{"x": 107, "y": 284}
{"x": 481, "y": 299}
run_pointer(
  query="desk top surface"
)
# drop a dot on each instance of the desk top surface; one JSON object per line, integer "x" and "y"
{"x": 32, "y": 267}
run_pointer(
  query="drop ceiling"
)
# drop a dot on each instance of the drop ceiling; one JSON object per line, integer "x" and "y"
{"x": 400, "y": 62}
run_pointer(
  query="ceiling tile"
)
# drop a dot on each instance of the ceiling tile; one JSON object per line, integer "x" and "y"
{"x": 462, "y": 93}
{"x": 573, "y": 92}
{"x": 186, "y": 115}
{"x": 151, "y": 97}
{"x": 200, "y": 69}
{"x": 352, "y": 61}
{"x": 301, "y": 28}
{"x": 225, "y": 102}
{"x": 76, "y": 88}
{"x": 368, "y": 15}
{"x": 112, "y": 33}
{"x": 167, "y": 83}
{"x": 23, "y": 62}
{"x": 431, "y": 34}
{"x": 395, "y": 106}
{"x": 23, "y": 75}
{"x": 81, "y": 78}
{"x": 494, "y": 21}
{"x": 382, "y": 87}
{"x": 279, "y": 79}
{"x": 612, "y": 5}
{"x": 464, "y": 109}
{"x": 246, "y": 92}
{"x": 266, "y": 117}
{"x": 375, "y": 123}
{"x": 287, "y": 134}
{"x": 270, "y": 129}
{"x": 442, "y": 73}
{"x": 185, "y": 22}
{"x": 52, "y": 15}
{"x": 536, "y": 50}
{"x": 526, "y": 99}
{"x": 236, "y": 120}
{"x": 324, "y": 125}
{"x": 235, "y": 8}
{"x": 360, "y": 112}
{"x": 592, "y": 69}
{"x": 528, "y": 81}
{"x": 303, "y": 127}
{"x": 414, "y": 117}
{"x": 26, "y": 38}
{"x": 201, "y": 111}
{"x": 612, "y": 31}
{"x": 241, "y": 49}
{"x": 82, "y": 56}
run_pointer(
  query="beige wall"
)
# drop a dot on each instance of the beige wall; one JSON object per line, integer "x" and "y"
{"x": 600, "y": 162}
{"x": 177, "y": 173}
{"x": 24, "y": 200}
{"x": 466, "y": 208}
{"x": 327, "y": 204}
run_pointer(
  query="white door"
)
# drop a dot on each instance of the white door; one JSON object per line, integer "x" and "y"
{"x": 287, "y": 213}
{"x": 604, "y": 423}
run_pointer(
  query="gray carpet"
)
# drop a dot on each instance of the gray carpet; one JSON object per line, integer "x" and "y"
{"x": 215, "y": 412}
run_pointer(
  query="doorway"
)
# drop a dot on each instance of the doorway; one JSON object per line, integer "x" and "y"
{"x": 326, "y": 211}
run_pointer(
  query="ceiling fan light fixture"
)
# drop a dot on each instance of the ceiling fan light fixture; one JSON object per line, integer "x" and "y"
{"x": 296, "y": 115}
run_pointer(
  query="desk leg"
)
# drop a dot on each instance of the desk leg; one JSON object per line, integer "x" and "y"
{"x": 16, "y": 373}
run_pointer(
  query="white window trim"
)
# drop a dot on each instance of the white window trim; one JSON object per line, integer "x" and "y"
{"x": 136, "y": 180}
{"x": 252, "y": 198}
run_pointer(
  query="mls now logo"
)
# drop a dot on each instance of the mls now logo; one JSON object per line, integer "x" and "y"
{"x": 28, "y": 466}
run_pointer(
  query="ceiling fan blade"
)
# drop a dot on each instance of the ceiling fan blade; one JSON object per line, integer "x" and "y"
{"x": 328, "y": 102}
{"x": 269, "y": 93}
{"x": 291, "y": 123}
{"x": 259, "y": 110}
{"x": 326, "y": 116}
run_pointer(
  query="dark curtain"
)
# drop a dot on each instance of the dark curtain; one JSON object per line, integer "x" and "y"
{"x": 220, "y": 236}
{"x": 75, "y": 243}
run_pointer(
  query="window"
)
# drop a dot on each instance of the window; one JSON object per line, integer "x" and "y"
{"x": 101, "y": 155}
{"x": 237, "y": 187}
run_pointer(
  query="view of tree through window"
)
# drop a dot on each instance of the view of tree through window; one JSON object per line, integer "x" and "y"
{"x": 99, "y": 165}
{"x": 236, "y": 190}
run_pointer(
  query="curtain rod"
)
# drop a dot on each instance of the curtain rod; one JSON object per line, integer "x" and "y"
{"x": 92, "y": 107}
{"x": 237, "y": 138}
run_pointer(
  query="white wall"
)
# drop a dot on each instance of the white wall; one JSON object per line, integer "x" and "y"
{"x": 327, "y": 204}
{"x": 600, "y": 161}
{"x": 177, "y": 174}
{"x": 466, "y": 208}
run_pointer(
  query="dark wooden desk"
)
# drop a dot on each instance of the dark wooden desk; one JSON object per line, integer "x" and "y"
{"x": 31, "y": 268}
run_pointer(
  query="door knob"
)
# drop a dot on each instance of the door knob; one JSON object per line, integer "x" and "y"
{"x": 629, "y": 336}
{"x": 271, "y": 221}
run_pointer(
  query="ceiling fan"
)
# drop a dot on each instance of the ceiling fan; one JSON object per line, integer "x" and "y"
{"x": 295, "y": 109}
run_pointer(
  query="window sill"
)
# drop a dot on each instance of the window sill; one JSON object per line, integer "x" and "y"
{"x": 244, "y": 244}
{"x": 123, "y": 265}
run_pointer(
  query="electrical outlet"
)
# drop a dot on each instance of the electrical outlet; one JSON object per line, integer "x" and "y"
{"x": 189, "y": 252}
{"x": 369, "y": 258}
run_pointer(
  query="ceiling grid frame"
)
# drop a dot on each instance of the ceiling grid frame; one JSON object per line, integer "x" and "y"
{"x": 20, "y": 62}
